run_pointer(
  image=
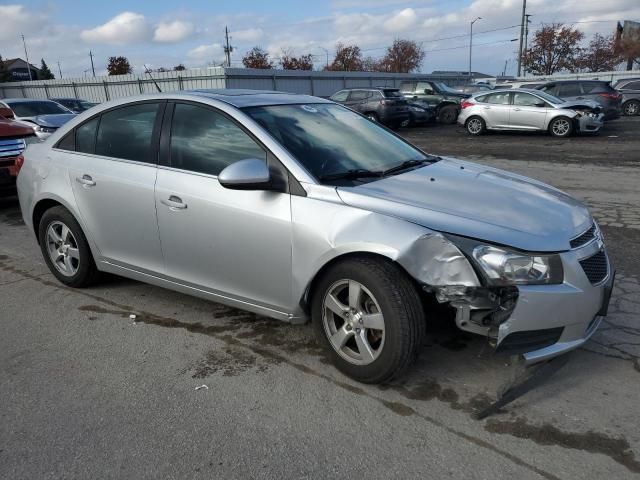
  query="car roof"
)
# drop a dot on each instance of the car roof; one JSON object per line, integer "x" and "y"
{"x": 28, "y": 100}
{"x": 575, "y": 81}
{"x": 252, "y": 98}
{"x": 63, "y": 98}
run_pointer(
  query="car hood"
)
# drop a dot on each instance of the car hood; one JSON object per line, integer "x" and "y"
{"x": 51, "y": 121}
{"x": 570, "y": 104}
{"x": 472, "y": 200}
{"x": 11, "y": 129}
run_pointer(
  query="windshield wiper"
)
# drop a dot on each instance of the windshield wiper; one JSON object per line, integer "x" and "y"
{"x": 352, "y": 174}
{"x": 409, "y": 164}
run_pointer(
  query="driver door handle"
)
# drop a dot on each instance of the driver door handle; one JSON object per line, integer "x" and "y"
{"x": 174, "y": 203}
{"x": 86, "y": 181}
{"x": 517, "y": 109}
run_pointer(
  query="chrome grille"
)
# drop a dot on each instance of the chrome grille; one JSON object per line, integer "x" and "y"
{"x": 596, "y": 267}
{"x": 586, "y": 237}
{"x": 11, "y": 148}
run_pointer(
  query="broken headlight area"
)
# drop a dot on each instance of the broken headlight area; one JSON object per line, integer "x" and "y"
{"x": 504, "y": 267}
{"x": 479, "y": 310}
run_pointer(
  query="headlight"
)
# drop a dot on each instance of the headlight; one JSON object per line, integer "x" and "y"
{"x": 40, "y": 129}
{"x": 417, "y": 109}
{"x": 502, "y": 267}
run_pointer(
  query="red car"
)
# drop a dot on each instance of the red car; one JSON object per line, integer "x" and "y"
{"x": 13, "y": 136}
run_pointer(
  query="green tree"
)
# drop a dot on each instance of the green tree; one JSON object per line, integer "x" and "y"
{"x": 45, "y": 73}
{"x": 118, "y": 66}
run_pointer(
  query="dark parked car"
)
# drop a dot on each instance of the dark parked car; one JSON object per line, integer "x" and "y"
{"x": 630, "y": 90}
{"x": 599, "y": 90}
{"x": 13, "y": 140}
{"x": 384, "y": 105}
{"x": 444, "y": 99}
{"x": 77, "y": 105}
{"x": 420, "y": 114}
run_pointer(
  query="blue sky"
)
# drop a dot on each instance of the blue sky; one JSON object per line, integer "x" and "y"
{"x": 161, "y": 33}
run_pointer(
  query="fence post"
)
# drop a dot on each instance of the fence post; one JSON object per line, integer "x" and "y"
{"x": 275, "y": 83}
{"x": 312, "y": 89}
{"x": 75, "y": 90}
{"x": 344, "y": 81}
{"x": 22, "y": 88}
{"x": 371, "y": 81}
{"x": 140, "y": 86}
{"x": 46, "y": 90}
{"x": 106, "y": 90}
{"x": 179, "y": 82}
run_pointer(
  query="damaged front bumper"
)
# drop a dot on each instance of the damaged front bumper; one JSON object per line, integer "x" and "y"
{"x": 536, "y": 321}
{"x": 589, "y": 122}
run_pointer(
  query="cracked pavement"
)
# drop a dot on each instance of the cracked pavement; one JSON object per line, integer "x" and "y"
{"x": 88, "y": 392}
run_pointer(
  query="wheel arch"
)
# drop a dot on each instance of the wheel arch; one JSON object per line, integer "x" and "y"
{"x": 307, "y": 297}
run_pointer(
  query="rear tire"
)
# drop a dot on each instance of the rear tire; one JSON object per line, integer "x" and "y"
{"x": 368, "y": 293}
{"x": 475, "y": 126}
{"x": 65, "y": 248}
{"x": 631, "y": 108}
{"x": 561, "y": 127}
{"x": 448, "y": 115}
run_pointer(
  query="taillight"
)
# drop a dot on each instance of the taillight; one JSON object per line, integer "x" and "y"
{"x": 466, "y": 104}
{"x": 610, "y": 95}
{"x": 19, "y": 163}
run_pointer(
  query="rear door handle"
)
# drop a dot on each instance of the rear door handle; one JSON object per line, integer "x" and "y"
{"x": 86, "y": 181}
{"x": 174, "y": 203}
{"x": 517, "y": 109}
{"x": 487, "y": 108}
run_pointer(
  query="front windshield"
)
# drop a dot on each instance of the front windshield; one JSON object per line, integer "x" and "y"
{"x": 549, "y": 98}
{"x": 32, "y": 109}
{"x": 328, "y": 139}
{"x": 446, "y": 88}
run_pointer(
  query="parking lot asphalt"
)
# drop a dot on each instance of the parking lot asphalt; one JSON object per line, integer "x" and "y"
{"x": 88, "y": 392}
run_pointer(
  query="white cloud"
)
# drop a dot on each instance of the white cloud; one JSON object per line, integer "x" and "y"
{"x": 126, "y": 27}
{"x": 206, "y": 54}
{"x": 17, "y": 20}
{"x": 171, "y": 32}
{"x": 248, "y": 35}
{"x": 401, "y": 21}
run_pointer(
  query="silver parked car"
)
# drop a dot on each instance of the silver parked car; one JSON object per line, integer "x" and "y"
{"x": 295, "y": 207}
{"x": 522, "y": 109}
{"x": 45, "y": 116}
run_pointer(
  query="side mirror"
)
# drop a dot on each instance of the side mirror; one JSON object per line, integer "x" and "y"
{"x": 6, "y": 113}
{"x": 248, "y": 174}
{"x": 539, "y": 104}
{"x": 428, "y": 91}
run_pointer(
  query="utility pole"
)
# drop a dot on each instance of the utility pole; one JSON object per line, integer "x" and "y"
{"x": 227, "y": 48}
{"x": 59, "y": 69}
{"x": 27, "y": 56}
{"x": 92, "y": 67}
{"x": 327, "y": 53}
{"x": 524, "y": 12}
{"x": 471, "y": 43}
{"x": 526, "y": 35}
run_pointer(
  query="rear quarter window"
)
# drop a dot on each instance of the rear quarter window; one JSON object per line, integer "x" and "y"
{"x": 481, "y": 98}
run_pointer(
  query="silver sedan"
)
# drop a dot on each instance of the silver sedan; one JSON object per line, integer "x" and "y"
{"x": 529, "y": 110}
{"x": 297, "y": 208}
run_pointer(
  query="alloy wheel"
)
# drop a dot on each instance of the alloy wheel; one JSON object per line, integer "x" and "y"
{"x": 63, "y": 249}
{"x": 353, "y": 322}
{"x": 631, "y": 108}
{"x": 474, "y": 126}
{"x": 561, "y": 127}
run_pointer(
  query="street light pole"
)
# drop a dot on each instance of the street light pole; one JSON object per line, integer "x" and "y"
{"x": 524, "y": 13}
{"x": 327, "y": 52}
{"x": 471, "y": 43}
{"x": 27, "y": 56}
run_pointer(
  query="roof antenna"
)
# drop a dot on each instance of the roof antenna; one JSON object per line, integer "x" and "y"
{"x": 152, "y": 79}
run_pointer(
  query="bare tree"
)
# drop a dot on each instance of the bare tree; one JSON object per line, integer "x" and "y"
{"x": 118, "y": 66}
{"x": 628, "y": 45}
{"x": 348, "y": 59}
{"x": 555, "y": 47}
{"x": 403, "y": 56}
{"x": 370, "y": 64}
{"x": 600, "y": 56}
{"x": 180, "y": 67}
{"x": 257, "y": 58}
{"x": 289, "y": 62}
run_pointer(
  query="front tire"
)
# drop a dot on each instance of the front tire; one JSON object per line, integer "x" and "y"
{"x": 561, "y": 127}
{"x": 475, "y": 126}
{"x": 368, "y": 314}
{"x": 631, "y": 108}
{"x": 65, "y": 248}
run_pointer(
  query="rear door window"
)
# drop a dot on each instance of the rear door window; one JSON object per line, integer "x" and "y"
{"x": 525, "y": 99}
{"x": 86, "y": 136}
{"x": 632, "y": 86}
{"x": 126, "y": 132}
{"x": 569, "y": 90}
{"x": 340, "y": 96}
{"x": 408, "y": 87}
{"x": 596, "y": 87}
{"x": 358, "y": 95}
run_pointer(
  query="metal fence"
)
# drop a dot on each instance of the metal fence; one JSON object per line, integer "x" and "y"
{"x": 100, "y": 89}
